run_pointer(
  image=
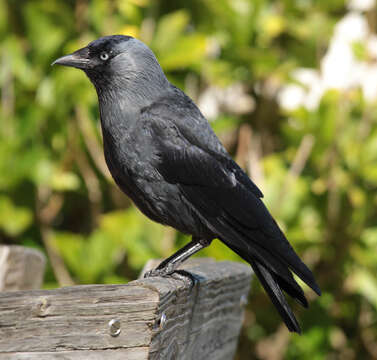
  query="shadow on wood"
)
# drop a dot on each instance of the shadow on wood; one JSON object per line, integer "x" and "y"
{"x": 154, "y": 318}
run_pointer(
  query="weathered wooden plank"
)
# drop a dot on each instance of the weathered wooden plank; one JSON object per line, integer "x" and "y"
{"x": 76, "y": 318}
{"x": 203, "y": 323}
{"x": 21, "y": 268}
{"x": 159, "y": 318}
{"x": 138, "y": 353}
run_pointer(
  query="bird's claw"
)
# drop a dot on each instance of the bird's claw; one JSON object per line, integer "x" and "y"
{"x": 150, "y": 273}
{"x": 184, "y": 275}
{"x": 157, "y": 272}
{"x": 177, "y": 274}
{"x": 166, "y": 270}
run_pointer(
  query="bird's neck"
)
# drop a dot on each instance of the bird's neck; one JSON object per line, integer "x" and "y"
{"x": 121, "y": 98}
{"x": 117, "y": 113}
{"x": 120, "y": 109}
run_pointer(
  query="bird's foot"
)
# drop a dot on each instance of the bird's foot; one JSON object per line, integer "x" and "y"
{"x": 154, "y": 273}
{"x": 175, "y": 274}
{"x": 163, "y": 271}
{"x": 185, "y": 276}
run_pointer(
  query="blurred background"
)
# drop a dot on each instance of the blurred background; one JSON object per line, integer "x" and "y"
{"x": 290, "y": 87}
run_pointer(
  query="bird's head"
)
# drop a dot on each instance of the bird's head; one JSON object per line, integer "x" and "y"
{"x": 117, "y": 62}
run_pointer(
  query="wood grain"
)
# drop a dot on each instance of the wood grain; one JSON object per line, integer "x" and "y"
{"x": 21, "y": 268}
{"x": 202, "y": 320}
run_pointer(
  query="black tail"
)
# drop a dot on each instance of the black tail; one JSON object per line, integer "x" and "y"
{"x": 242, "y": 222}
{"x": 270, "y": 284}
{"x": 274, "y": 284}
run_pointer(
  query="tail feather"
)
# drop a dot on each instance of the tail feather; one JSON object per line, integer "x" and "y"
{"x": 276, "y": 276}
{"x": 292, "y": 289}
{"x": 250, "y": 220}
{"x": 242, "y": 222}
{"x": 275, "y": 261}
{"x": 276, "y": 295}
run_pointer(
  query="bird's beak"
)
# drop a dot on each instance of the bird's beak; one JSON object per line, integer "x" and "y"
{"x": 79, "y": 59}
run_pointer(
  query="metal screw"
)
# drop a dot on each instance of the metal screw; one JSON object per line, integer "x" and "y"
{"x": 114, "y": 325}
{"x": 243, "y": 300}
{"x": 161, "y": 321}
{"x": 43, "y": 307}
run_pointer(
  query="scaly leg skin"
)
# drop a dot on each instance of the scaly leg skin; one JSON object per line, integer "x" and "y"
{"x": 169, "y": 265}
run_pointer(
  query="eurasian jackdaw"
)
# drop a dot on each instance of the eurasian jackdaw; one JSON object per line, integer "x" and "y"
{"x": 163, "y": 154}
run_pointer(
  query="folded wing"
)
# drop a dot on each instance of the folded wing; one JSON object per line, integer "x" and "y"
{"x": 229, "y": 203}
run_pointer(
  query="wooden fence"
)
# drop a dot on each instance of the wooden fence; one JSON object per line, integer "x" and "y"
{"x": 154, "y": 318}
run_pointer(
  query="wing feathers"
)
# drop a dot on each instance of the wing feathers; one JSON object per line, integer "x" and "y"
{"x": 228, "y": 203}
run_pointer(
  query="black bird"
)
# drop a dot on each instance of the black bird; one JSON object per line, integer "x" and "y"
{"x": 163, "y": 154}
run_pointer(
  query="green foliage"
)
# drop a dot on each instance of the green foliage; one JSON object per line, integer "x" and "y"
{"x": 316, "y": 167}
{"x": 13, "y": 219}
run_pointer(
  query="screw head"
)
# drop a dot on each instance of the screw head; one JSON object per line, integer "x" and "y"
{"x": 114, "y": 327}
{"x": 161, "y": 320}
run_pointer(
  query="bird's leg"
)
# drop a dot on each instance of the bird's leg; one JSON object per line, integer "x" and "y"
{"x": 168, "y": 266}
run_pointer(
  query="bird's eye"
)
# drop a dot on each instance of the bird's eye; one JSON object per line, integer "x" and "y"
{"x": 104, "y": 56}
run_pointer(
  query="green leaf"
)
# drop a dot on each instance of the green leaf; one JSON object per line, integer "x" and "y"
{"x": 188, "y": 51}
{"x": 169, "y": 30}
{"x": 65, "y": 181}
{"x": 14, "y": 219}
{"x": 364, "y": 282}
{"x": 140, "y": 237}
{"x": 89, "y": 259}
